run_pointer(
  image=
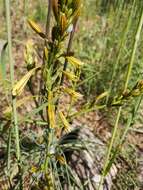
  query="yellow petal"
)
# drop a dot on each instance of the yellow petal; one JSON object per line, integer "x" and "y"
{"x": 63, "y": 23}
{"x": 34, "y": 169}
{"x": 73, "y": 93}
{"x": 46, "y": 52}
{"x": 61, "y": 159}
{"x": 74, "y": 61}
{"x": 65, "y": 122}
{"x": 36, "y": 28}
{"x": 51, "y": 111}
{"x": 70, "y": 76}
{"x": 51, "y": 115}
{"x": 18, "y": 88}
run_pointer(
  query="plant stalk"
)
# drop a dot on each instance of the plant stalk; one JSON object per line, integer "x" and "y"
{"x": 68, "y": 50}
{"x": 11, "y": 62}
{"x": 48, "y": 22}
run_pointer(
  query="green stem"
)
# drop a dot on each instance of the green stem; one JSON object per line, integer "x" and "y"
{"x": 86, "y": 110}
{"x": 8, "y": 21}
{"x": 68, "y": 50}
{"x": 110, "y": 148}
{"x": 48, "y": 22}
{"x": 136, "y": 41}
{"x": 8, "y": 150}
{"x": 47, "y": 32}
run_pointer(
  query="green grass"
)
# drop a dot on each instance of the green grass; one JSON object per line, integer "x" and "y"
{"x": 99, "y": 41}
{"x": 113, "y": 59}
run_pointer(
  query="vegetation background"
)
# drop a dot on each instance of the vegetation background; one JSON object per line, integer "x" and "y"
{"x": 105, "y": 40}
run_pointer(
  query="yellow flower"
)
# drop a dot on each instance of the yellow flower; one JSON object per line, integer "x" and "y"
{"x": 18, "y": 88}
{"x": 70, "y": 76}
{"x": 36, "y": 28}
{"x": 61, "y": 159}
{"x": 65, "y": 122}
{"x": 34, "y": 169}
{"x": 51, "y": 111}
{"x": 63, "y": 23}
{"x": 73, "y": 93}
{"x": 75, "y": 62}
